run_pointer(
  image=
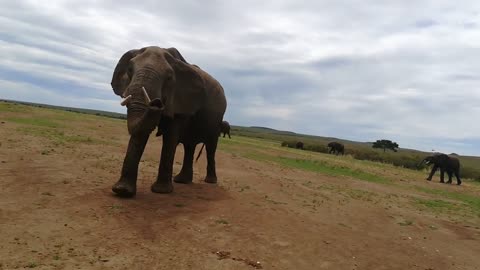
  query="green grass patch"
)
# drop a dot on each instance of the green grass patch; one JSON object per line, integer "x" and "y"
{"x": 11, "y": 107}
{"x": 470, "y": 200}
{"x": 320, "y": 167}
{"x": 435, "y": 204}
{"x": 57, "y": 136}
{"x": 33, "y": 121}
{"x": 362, "y": 195}
{"x": 31, "y": 265}
{"x": 111, "y": 209}
{"x": 406, "y": 223}
{"x": 222, "y": 221}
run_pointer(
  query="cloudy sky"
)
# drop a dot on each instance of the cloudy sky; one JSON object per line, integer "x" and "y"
{"x": 405, "y": 70}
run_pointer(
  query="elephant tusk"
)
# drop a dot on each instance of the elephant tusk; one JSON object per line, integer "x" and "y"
{"x": 147, "y": 98}
{"x": 125, "y": 100}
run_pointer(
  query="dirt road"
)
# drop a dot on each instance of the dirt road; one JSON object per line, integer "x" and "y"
{"x": 57, "y": 212}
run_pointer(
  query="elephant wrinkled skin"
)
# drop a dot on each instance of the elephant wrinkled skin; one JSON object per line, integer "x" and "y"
{"x": 448, "y": 164}
{"x": 185, "y": 103}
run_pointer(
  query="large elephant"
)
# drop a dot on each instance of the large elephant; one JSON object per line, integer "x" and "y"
{"x": 336, "y": 147}
{"x": 448, "y": 164}
{"x": 225, "y": 129}
{"x": 161, "y": 90}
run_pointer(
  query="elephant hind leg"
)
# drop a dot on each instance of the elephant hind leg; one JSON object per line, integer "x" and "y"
{"x": 211, "y": 148}
{"x": 442, "y": 175}
{"x": 186, "y": 173}
{"x": 457, "y": 175}
{"x": 169, "y": 145}
{"x": 449, "y": 177}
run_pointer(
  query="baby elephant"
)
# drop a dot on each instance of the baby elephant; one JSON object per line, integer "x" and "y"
{"x": 448, "y": 164}
{"x": 225, "y": 129}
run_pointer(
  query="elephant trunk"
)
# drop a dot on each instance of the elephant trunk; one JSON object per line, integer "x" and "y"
{"x": 424, "y": 161}
{"x": 141, "y": 116}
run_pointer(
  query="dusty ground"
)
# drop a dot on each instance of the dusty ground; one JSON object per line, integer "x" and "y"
{"x": 57, "y": 210}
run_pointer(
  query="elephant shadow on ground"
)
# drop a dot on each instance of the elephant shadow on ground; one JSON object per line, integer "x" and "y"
{"x": 149, "y": 213}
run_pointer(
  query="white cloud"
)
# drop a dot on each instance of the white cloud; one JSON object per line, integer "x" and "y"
{"x": 400, "y": 69}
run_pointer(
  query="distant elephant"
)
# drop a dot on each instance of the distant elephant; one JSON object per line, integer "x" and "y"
{"x": 225, "y": 129}
{"x": 451, "y": 165}
{"x": 160, "y": 89}
{"x": 299, "y": 145}
{"x": 337, "y": 148}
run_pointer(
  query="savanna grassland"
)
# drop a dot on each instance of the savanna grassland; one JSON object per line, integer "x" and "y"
{"x": 273, "y": 208}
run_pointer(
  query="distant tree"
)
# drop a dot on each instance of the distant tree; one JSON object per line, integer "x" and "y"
{"x": 386, "y": 144}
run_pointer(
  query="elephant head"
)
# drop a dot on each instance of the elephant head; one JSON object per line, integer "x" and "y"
{"x": 336, "y": 147}
{"x": 438, "y": 159}
{"x": 155, "y": 83}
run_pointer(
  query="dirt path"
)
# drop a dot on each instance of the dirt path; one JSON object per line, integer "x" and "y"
{"x": 57, "y": 212}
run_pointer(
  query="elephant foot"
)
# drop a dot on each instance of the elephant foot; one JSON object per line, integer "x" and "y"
{"x": 183, "y": 178}
{"x": 459, "y": 183}
{"x": 161, "y": 187}
{"x": 211, "y": 179}
{"x": 124, "y": 189}
{"x": 449, "y": 182}
{"x": 429, "y": 179}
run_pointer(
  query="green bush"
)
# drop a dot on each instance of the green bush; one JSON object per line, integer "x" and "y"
{"x": 306, "y": 146}
{"x": 469, "y": 172}
{"x": 316, "y": 148}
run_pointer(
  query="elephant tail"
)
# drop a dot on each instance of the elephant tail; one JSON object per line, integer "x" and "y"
{"x": 200, "y": 153}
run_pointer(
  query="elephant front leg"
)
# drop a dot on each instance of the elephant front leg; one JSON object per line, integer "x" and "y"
{"x": 432, "y": 172}
{"x": 164, "y": 178}
{"x": 186, "y": 174}
{"x": 127, "y": 185}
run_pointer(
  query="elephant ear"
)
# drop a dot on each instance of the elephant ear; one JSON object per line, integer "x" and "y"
{"x": 185, "y": 92}
{"x": 176, "y": 54}
{"x": 120, "y": 79}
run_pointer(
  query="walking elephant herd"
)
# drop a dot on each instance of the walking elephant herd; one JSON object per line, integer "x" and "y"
{"x": 162, "y": 91}
{"x": 446, "y": 164}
